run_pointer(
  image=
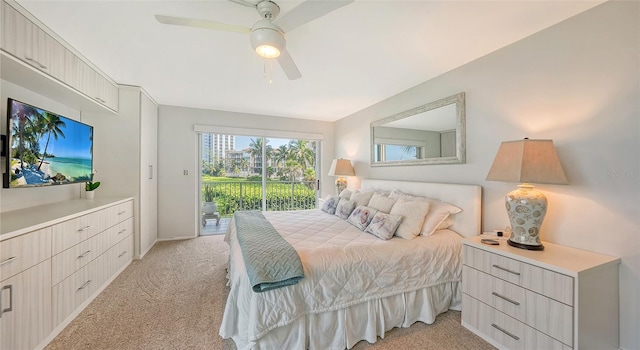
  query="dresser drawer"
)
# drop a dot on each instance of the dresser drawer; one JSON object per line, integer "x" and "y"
{"x": 69, "y": 294}
{"x": 72, "y": 259}
{"x": 548, "y": 283}
{"x": 118, "y": 232}
{"x": 544, "y": 314}
{"x": 120, "y": 212}
{"x": 503, "y": 329}
{"x": 20, "y": 253}
{"x": 71, "y": 232}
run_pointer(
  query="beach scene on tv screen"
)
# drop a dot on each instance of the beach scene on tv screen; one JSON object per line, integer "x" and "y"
{"x": 48, "y": 149}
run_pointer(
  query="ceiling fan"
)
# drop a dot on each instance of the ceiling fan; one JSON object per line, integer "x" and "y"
{"x": 267, "y": 35}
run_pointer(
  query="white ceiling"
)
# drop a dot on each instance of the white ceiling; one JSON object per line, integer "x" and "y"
{"x": 350, "y": 59}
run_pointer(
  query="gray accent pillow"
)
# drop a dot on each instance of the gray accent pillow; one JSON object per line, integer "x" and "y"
{"x": 384, "y": 225}
{"x": 344, "y": 208}
{"x": 330, "y": 204}
{"x": 361, "y": 217}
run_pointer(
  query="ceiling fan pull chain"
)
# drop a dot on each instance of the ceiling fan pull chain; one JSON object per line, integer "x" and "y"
{"x": 268, "y": 71}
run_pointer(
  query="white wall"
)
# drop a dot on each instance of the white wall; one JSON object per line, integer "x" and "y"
{"x": 178, "y": 152}
{"x": 576, "y": 83}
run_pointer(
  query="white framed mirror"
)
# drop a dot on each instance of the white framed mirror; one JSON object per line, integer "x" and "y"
{"x": 433, "y": 133}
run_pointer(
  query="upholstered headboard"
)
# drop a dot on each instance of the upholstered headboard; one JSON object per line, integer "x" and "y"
{"x": 467, "y": 197}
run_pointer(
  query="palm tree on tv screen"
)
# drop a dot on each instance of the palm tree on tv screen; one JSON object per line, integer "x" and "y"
{"x": 51, "y": 126}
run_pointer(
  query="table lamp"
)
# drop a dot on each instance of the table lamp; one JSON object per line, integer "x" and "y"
{"x": 527, "y": 161}
{"x": 341, "y": 167}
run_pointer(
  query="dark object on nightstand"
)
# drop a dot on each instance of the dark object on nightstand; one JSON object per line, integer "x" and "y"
{"x": 489, "y": 241}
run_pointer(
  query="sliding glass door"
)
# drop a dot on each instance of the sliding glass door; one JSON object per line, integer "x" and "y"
{"x": 244, "y": 172}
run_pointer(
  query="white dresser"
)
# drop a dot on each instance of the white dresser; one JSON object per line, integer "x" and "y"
{"x": 54, "y": 260}
{"x": 557, "y": 298}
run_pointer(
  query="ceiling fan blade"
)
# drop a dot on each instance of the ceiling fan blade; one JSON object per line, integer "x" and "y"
{"x": 307, "y": 12}
{"x": 201, "y": 23}
{"x": 288, "y": 66}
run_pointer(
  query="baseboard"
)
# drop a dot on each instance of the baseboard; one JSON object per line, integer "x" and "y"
{"x": 81, "y": 308}
{"x": 142, "y": 254}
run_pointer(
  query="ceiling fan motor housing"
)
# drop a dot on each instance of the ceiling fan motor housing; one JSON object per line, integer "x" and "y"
{"x": 268, "y": 9}
{"x": 264, "y": 33}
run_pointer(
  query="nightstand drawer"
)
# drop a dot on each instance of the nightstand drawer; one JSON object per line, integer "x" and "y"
{"x": 544, "y": 314}
{"x": 548, "y": 283}
{"x": 503, "y": 329}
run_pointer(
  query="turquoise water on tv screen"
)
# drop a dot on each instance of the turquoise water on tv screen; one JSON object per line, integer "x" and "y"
{"x": 77, "y": 168}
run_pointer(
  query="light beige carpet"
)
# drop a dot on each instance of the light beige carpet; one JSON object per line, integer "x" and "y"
{"x": 174, "y": 299}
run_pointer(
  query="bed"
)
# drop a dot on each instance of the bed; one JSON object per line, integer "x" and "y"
{"x": 356, "y": 286}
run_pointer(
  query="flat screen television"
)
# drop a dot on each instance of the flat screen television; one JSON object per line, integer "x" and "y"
{"x": 45, "y": 149}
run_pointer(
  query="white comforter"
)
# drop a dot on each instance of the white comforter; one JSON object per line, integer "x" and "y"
{"x": 343, "y": 266}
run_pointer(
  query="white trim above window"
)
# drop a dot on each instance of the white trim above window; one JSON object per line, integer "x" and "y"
{"x": 212, "y": 129}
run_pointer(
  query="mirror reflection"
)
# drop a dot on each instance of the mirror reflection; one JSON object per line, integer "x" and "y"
{"x": 429, "y": 134}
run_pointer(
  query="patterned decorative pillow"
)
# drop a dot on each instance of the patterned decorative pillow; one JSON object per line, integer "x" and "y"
{"x": 344, "y": 208}
{"x": 330, "y": 204}
{"x": 381, "y": 202}
{"x": 413, "y": 214}
{"x": 361, "y": 198}
{"x": 361, "y": 217}
{"x": 384, "y": 225}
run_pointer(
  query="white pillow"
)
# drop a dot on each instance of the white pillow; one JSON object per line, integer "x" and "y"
{"x": 361, "y": 198}
{"x": 345, "y": 194}
{"x": 413, "y": 214}
{"x": 439, "y": 212}
{"x": 448, "y": 222}
{"x": 381, "y": 202}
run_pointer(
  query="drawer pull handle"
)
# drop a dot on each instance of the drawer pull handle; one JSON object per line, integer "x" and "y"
{"x": 8, "y": 260}
{"x": 507, "y": 270}
{"x": 121, "y": 212}
{"x": 84, "y": 228}
{"x": 123, "y": 230}
{"x": 505, "y": 298}
{"x": 34, "y": 62}
{"x": 84, "y": 254}
{"x": 10, "y": 308}
{"x": 505, "y": 331}
{"x": 84, "y": 285}
{"x": 122, "y": 254}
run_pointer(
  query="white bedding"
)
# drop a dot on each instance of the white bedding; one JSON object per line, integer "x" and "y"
{"x": 345, "y": 270}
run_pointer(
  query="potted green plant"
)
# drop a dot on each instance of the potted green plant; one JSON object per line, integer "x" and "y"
{"x": 89, "y": 187}
{"x": 209, "y": 203}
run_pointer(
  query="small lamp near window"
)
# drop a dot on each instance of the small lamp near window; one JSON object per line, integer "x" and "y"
{"x": 341, "y": 167}
{"x": 527, "y": 161}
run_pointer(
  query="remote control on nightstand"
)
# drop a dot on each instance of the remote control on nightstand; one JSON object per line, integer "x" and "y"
{"x": 489, "y": 241}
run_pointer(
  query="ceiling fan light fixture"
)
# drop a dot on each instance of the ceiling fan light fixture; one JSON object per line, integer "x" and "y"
{"x": 268, "y": 51}
{"x": 267, "y": 39}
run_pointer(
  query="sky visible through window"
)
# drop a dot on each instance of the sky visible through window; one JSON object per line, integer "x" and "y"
{"x": 242, "y": 142}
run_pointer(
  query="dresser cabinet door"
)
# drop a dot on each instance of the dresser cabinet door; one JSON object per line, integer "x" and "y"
{"x": 25, "y": 316}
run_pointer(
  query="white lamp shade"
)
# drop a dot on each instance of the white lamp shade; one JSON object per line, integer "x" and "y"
{"x": 341, "y": 167}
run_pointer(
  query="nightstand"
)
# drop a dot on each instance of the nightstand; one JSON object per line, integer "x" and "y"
{"x": 557, "y": 298}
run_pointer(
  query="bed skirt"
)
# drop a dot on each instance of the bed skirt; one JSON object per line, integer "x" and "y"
{"x": 342, "y": 329}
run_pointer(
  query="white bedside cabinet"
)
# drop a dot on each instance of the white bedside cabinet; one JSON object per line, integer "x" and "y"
{"x": 557, "y": 298}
